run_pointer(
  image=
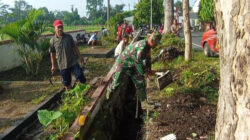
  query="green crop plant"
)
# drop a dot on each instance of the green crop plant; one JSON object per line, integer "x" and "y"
{"x": 46, "y": 117}
{"x": 72, "y": 103}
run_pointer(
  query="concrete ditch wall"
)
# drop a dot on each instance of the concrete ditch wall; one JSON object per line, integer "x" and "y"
{"x": 9, "y": 58}
{"x": 110, "y": 118}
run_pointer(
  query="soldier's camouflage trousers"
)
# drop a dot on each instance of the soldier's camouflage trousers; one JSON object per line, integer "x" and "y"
{"x": 138, "y": 80}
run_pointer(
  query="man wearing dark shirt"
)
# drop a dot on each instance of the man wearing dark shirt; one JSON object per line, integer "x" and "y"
{"x": 64, "y": 50}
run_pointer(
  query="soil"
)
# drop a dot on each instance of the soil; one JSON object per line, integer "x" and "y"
{"x": 95, "y": 50}
{"x": 181, "y": 114}
{"x": 19, "y": 98}
{"x": 19, "y": 92}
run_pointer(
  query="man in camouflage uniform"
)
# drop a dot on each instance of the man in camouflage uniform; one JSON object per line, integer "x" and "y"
{"x": 135, "y": 61}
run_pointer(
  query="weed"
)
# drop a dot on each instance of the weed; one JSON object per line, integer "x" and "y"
{"x": 38, "y": 100}
{"x": 168, "y": 91}
{"x": 155, "y": 114}
{"x": 200, "y": 75}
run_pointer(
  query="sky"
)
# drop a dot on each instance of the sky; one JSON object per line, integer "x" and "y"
{"x": 53, "y": 5}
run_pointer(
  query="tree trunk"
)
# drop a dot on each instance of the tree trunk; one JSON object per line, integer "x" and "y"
{"x": 187, "y": 32}
{"x": 233, "y": 113}
{"x": 168, "y": 15}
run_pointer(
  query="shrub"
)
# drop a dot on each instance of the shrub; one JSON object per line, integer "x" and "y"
{"x": 27, "y": 36}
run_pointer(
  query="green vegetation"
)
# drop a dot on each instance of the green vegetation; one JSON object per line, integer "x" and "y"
{"x": 87, "y": 28}
{"x": 108, "y": 41}
{"x": 206, "y": 11}
{"x": 142, "y": 12}
{"x": 46, "y": 117}
{"x": 199, "y": 76}
{"x": 58, "y": 122}
{"x": 168, "y": 40}
{"x": 117, "y": 18}
{"x": 27, "y": 35}
{"x": 39, "y": 99}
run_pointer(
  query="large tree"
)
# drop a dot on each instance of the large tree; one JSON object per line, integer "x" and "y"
{"x": 168, "y": 15}
{"x": 142, "y": 12}
{"x": 233, "y": 27}
{"x": 3, "y": 13}
{"x": 95, "y": 9}
{"x": 20, "y": 10}
{"x": 187, "y": 32}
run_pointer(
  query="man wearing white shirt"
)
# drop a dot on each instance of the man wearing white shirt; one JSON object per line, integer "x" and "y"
{"x": 120, "y": 47}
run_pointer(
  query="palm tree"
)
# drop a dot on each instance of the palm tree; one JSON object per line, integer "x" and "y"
{"x": 26, "y": 34}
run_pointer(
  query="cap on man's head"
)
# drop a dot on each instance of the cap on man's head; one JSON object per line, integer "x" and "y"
{"x": 57, "y": 23}
{"x": 156, "y": 36}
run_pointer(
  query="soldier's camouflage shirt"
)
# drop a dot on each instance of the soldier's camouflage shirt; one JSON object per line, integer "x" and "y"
{"x": 136, "y": 55}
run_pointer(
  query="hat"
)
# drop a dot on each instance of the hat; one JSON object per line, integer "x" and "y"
{"x": 57, "y": 23}
{"x": 156, "y": 36}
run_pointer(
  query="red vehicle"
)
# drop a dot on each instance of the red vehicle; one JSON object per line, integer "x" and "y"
{"x": 209, "y": 43}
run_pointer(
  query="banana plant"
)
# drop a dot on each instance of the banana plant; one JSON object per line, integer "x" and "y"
{"x": 26, "y": 34}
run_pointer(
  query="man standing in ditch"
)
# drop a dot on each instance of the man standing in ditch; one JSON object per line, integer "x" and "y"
{"x": 135, "y": 62}
{"x": 64, "y": 50}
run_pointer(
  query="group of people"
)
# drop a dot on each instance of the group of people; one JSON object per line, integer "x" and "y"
{"x": 91, "y": 40}
{"x": 124, "y": 29}
{"x": 133, "y": 60}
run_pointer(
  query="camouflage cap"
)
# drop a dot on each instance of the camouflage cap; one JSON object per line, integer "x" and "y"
{"x": 156, "y": 36}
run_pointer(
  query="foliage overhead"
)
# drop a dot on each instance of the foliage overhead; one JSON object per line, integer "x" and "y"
{"x": 97, "y": 12}
{"x": 206, "y": 11}
{"x": 142, "y": 12}
{"x": 178, "y": 4}
{"x": 20, "y": 10}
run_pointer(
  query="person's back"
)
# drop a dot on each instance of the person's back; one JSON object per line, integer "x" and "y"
{"x": 135, "y": 54}
{"x": 119, "y": 49}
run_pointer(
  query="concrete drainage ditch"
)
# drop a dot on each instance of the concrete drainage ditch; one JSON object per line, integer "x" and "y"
{"x": 105, "y": 119}
{"x": 116, "y": 117}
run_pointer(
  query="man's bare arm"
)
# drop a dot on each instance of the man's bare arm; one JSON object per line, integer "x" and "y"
{"x": 79, "y": 54}
{"x": 52, "y": 59}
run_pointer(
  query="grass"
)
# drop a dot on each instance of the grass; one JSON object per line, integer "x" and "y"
{"x": 87, "y": 28}
{"x": 200, "y": 75}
